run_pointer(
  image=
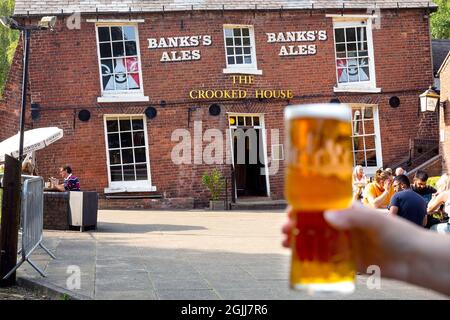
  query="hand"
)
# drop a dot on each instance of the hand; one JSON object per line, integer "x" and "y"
{"x": 377, "y": 239}
{"x": 387, "y": 184}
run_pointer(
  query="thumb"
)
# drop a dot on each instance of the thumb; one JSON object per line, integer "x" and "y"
{"x": 357, "y": 216}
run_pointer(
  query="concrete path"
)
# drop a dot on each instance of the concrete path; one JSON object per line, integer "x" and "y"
{"x": 185, "y": 255}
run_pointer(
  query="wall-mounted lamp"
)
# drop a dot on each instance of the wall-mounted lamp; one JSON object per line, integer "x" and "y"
{"x": 429, "y": 100}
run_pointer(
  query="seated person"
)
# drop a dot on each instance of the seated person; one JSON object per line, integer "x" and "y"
{"x": 420, "y": 185}
{"x": 440, "y": 199}
{"x": 359, "y": 181}
{"x": 28, "y": 168}
{"x": 406, "y": 203}
{"x": 378, "y": 194}
{"x": 71, "y": 183}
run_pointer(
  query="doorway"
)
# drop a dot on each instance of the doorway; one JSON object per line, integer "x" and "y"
{"x": 249, "y": 155}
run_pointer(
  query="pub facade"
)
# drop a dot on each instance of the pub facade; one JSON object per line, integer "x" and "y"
{"x": 150, "y": 96}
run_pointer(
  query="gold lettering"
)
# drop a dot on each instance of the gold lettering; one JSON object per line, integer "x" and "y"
{"x": 209, "y": 94}
{"x": 191, "y": 94}
{"x": 290, "y": 94}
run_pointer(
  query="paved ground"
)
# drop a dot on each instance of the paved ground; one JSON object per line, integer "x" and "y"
{"x": 186, "y": 255}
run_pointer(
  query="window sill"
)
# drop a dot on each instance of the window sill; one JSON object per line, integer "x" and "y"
{"x": 129, "y": 189}
{"x": 242, "y": 71}
{"x": 357, "y": 89}
{"x": 123, "y": 98}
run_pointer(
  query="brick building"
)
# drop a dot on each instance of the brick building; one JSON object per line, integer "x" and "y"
{"x": 145, "y": 75}
{"x": 444, "y": 120}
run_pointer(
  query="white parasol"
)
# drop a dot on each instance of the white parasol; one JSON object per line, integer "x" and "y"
{"x": 33, "y": 140}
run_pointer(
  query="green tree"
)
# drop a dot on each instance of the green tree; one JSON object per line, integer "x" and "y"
{"x": 440, "y": 20}
{"x": 8, "y": 42}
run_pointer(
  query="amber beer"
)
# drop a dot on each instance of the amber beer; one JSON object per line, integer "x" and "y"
{"x": 319, "y": 177}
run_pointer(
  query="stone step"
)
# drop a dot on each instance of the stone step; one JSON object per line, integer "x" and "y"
{"x": 258, "y": 204}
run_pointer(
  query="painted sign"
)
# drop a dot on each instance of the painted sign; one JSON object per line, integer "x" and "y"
{"x": 297, "y": 36}
{"x": 238, "y": 94}
{"x": 180, "y": 42}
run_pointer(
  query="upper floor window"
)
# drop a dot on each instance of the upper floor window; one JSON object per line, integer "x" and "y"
{"x": 240, "y": 50}
{"x": 355, "y": 67}
{"x": 119, "y": 61}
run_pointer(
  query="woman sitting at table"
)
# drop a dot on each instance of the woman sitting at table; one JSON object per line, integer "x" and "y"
{"x": 71, "y": 183}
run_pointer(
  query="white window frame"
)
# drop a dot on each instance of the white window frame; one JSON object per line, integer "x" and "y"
{"x": 242, "y": 68}
{"x": 370, "y": 171}
{"x": 362, "y": 86}
{"x": 128, "y": 186}
{"x": 120, "y": 95}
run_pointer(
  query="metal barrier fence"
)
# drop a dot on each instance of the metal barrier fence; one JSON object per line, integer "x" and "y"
{"x": 32, "y": 221}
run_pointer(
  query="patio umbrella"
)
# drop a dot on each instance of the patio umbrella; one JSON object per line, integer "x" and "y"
{"x": 34, "y": 139}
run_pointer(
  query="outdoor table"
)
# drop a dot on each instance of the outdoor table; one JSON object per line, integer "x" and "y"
{"x": 63, "y": 210}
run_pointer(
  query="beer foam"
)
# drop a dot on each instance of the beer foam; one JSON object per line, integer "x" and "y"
{"x": 321, "y": 110}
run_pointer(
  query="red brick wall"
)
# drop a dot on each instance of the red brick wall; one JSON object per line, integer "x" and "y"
{"x": 10, "y": 104}
{"x": 64, "y": 78}
{"x": 444, "y": 119}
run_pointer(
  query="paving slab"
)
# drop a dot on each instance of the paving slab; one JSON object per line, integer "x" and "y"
{"x": 195, "y": 255}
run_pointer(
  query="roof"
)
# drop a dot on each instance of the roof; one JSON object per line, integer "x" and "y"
{"x": 41, "y": 7}
{"x": 441, "y": 49}
{"x": 447, "y": 58}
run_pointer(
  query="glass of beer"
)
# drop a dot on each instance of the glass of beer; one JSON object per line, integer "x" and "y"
{"x": 318, "y": 178}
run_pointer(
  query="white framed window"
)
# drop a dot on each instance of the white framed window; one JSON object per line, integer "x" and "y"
{"x": 119, "y": 63}
{"x": 354, "y": 56}
{"x": 127, "y": 155}
{"x": 366, "y": 140}
{"x": 240, "y": 51}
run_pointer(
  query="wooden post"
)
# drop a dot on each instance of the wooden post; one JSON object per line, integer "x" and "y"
{"x": 9, "y": 229}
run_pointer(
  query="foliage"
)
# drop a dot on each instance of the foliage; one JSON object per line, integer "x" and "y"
{"x": 440, "y": 20}
{"x": 65, "y": 296}
{"x": 432, "y": 181}
{"x": 8, "y": 42}
{"x": 215, "y": 183}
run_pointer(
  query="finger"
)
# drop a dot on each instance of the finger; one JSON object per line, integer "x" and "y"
{"x": 357, "y": 216}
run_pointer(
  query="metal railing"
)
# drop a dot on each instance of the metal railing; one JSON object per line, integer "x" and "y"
{"x": 31, "y": 222}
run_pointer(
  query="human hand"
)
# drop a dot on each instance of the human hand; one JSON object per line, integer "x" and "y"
{"x": 387, "y": 184}
{"x": 387, "y": 241}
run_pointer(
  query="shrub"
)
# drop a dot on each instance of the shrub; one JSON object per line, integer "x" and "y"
{"x": 215, "y": 183}
{"x": 432, "y": 181}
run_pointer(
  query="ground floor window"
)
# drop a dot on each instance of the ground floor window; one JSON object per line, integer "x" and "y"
{"x": 127, "y": 153}
{"x": 366, "y": 137}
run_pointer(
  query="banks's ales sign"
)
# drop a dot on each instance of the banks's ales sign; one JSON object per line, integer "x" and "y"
{"x": 306, "y": 47}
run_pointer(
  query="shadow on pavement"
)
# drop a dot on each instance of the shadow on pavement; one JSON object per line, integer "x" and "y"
{"x": 108, "y": 227}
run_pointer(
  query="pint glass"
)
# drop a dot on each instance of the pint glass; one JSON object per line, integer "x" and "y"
{"x": 319, "y": 177}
